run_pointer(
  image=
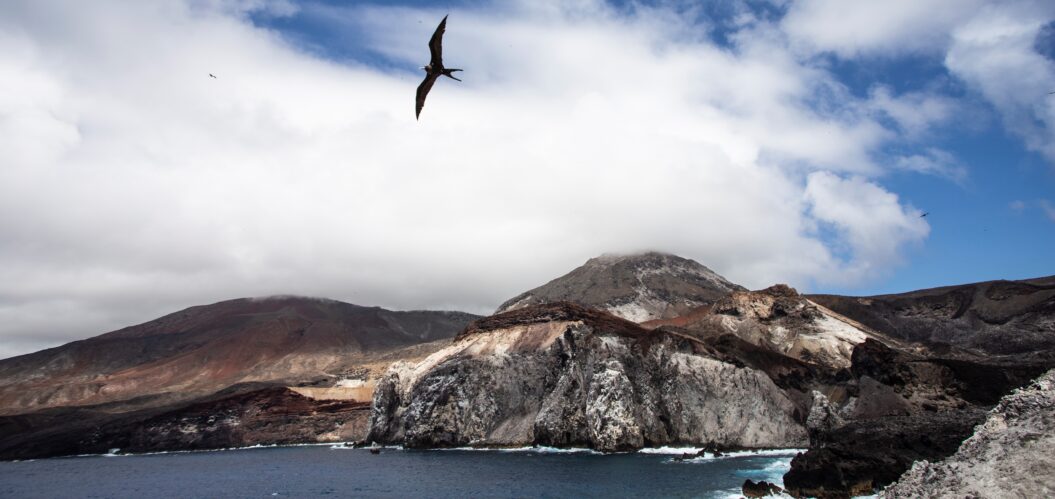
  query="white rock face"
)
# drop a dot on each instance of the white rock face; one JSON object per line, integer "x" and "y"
{"x": 1012, "y": 454}
{"x": 781, "y": 320}
{"x": 572, "y": 383}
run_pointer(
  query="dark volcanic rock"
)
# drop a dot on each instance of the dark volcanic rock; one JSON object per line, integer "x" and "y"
{"x": 995, "y": 318}
{"x": 935, "y": 382}
{"x": 556, "y": 312}
{"x": 866, "y": 454}
{"x": 241, "y": 416}
{"x": 759, "y": 489}
{"x": 902, "y": 407}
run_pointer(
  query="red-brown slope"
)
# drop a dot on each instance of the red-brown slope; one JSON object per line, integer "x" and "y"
{"x": 206, "y": 348}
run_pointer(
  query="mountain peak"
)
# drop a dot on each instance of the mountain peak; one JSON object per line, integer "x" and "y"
{"x": 637, "y": 287}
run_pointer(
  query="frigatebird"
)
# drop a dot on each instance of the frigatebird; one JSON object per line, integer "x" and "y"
{"x": 212, "y": 75}
{"x": 924, "y": 215}
{"x": 435, "y": 68}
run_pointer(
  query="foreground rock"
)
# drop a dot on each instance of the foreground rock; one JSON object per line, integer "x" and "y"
{"x": 565, "y": 375}
{"x": 1011, "y": 455}
{"x": 896, "y": 408}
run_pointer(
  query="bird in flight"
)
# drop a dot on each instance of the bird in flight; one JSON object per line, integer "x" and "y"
{"x": 435, "y": 68}
{"x": 212, "y": 75}
{"x": 924, "y": 214}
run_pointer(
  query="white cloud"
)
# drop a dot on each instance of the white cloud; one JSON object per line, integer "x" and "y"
{"x": 934, "y": 162}
{"x": 995, "y": 54}
{"x": 132, "y": 184}
{"x": 915, "y": 113}
{"x": 1048, "y": 208}
{"x": 874, "y": 224}
{"x": 886, "y": 28}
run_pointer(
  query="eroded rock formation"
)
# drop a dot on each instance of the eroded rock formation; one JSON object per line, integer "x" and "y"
{"x": 564, "y": 375}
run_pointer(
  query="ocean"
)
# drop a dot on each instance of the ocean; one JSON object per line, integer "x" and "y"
{"x": 336, "y": 471}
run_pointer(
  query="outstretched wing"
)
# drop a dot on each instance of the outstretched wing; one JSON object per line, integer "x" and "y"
{"x": 436, "y": 44}
{"x": 423, "y": 90}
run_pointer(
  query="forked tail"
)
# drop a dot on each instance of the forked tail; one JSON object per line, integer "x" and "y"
{"x": 448, "y": 72}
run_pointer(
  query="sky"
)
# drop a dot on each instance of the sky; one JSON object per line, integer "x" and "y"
{"x": 790, "y": 141}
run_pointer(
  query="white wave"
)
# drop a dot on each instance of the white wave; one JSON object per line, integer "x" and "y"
{"x": 677, "y": 451}
{"x": 531, "y": 449}
{"x": 745, "y": 453}
{"x": 544, "y": 449}
{"x": 351, "y": 446}
{"x": 112, "y": 453}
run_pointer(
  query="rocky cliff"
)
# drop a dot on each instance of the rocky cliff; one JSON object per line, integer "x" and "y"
{"x": 565, "y": 375}
{"x": 638, "y": 288}
{"x": 1012, "y": 454}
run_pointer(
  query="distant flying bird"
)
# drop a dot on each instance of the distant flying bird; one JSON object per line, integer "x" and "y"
{"x": 435, "y": 68}
{"x": 924, "y": 214}
{"x": 212, "y": 75}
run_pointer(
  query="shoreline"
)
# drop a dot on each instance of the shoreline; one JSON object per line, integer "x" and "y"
{"x": 660, "y": 451}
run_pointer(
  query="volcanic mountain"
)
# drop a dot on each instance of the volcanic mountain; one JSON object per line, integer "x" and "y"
{"x": 204, "y": 349}
{"x": 875, "y": 383}
{"x": 638, "y": 287}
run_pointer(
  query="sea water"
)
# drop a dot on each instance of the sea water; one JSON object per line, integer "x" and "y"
{"x": 337, "y": 471}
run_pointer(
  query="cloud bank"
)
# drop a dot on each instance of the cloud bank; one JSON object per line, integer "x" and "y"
{"x": 132, "y": 184}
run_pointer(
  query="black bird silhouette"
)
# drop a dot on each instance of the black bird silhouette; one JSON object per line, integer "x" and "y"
{"x": 924, "y": 214}
{"x": 212, "y": 75}
{"x": 435, "y": 68}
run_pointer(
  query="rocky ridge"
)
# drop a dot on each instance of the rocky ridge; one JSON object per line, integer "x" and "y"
{"x": 994, "y": 320}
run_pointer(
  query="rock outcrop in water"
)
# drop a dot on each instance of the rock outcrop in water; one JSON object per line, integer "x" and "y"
{"x": 565, "y": 375}
{"x": 1011, "y": 455}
